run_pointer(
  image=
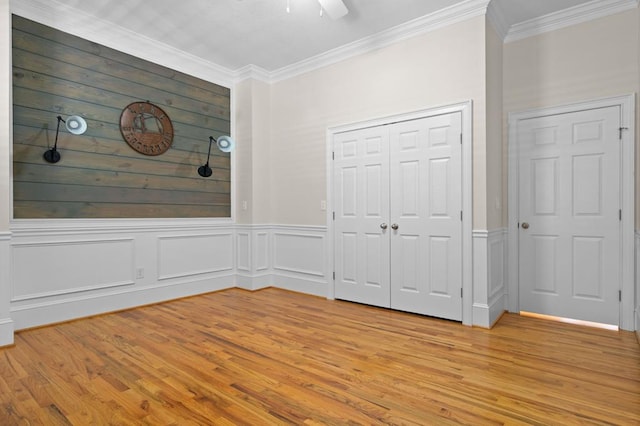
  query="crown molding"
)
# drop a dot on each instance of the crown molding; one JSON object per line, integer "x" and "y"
{"x": 442, "y": 18}
{"x": 574, "y": 15}
{"x": 495, "y": 17}
{"x": 252, "y": 71}
{"x": 81, "y": 24}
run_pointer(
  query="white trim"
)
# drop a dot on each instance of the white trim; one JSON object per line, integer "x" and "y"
{"x": 53, "y": 227}
{"x": 495, "y": 16}
{"x": 6, "y": 323}
{"x": 89, "y": 27}
{"x": 571, "y": 16}
{"x": 489, "y": 288}
{"x": 466, "y": 110}
{"x": 444, "y": 17}
{"x": 47, "y": 312}
{"x": 627, "y": 108}
{"x": 81, "y": 24}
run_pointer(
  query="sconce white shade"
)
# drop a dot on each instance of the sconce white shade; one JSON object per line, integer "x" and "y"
{"x": 76, "y": 125}
{"x": 226, "y": 144}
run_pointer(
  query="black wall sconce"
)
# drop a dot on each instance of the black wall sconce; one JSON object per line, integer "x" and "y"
{"x": 75, "y": 125}
{"x": 224, "y": 144}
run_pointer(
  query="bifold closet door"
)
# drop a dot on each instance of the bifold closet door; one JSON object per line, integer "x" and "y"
{"x": 397, "y": 225}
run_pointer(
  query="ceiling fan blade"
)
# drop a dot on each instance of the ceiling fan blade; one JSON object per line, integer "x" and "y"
{"x": 334, "y": 8}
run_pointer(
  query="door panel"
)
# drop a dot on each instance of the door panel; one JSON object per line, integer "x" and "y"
{"x": 361, "y": 191}
{"x": 569, "y": 195}
{"x": 426, "y": 200}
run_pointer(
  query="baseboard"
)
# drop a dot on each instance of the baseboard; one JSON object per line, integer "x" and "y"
{"x": 489, "y": 277}
{"x": 486, "y": 315}
{"x": 301, "y": 285}
{"x": 60, "y": 310}
{"x": 6, "y": 332}
{"x": 253, "y": 283}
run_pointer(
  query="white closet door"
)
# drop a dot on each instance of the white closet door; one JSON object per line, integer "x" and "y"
{"x": 361, "y": 191}
{"x": 569, "y": 200}
{"x": 426, "y": 205}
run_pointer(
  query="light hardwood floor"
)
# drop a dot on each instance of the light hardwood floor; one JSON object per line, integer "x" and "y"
{"x": 276, "y": 357}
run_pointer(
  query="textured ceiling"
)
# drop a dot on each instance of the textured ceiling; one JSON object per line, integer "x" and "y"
{"x": 237, "y": 33}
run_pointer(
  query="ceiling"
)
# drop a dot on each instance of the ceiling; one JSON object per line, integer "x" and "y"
{"x": 237, "y": 33}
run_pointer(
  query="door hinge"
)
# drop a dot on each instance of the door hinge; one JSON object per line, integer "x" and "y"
{"x": 333, "y": 155}
{"x": 620, "y": 214}
{"x": 334, "y": 275}
{"x": 620, "y": 129}
{"x": 619, "y": 295}
{"x": 460, "y": 215}
{"x": 460, "y": 291}
{"x": 334, "y": 215}
{"x": 460, "y": 138}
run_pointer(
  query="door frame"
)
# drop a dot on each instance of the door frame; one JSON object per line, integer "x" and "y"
{"x": 627, "y": 193}
{"x": 466, "y": 110}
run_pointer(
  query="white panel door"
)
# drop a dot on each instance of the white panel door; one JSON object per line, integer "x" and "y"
{"x": 569, "y": 201}
{"x": 361, "y": 191}
{"x": 426, "y": 227}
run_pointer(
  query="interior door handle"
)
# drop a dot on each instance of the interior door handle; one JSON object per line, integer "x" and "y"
{"x": 525, "y": 225}
{"x": 394, "y": 226}
{"x": 383, "y": 225}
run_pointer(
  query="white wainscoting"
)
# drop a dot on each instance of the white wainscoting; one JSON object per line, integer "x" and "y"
{"x": 6, "y": 323}
{"x": 299, "y": 259}
{"x": 288, "y": 257}
{"x": 489, "y": 276}
{"x": 61, "y": 270}
{"x": 253, "y": 254}
{"x": 56, "y": 267}
{"x": 75, "y": 269}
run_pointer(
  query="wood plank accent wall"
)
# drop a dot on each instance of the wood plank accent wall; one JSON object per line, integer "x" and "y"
{"x": 99, "y": 174}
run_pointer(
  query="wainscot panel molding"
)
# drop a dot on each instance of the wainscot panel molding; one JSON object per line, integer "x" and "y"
{"x": 253, "y": 255}
{"x": 67, "y": 269}
{"x": 291, "y": 257}
{"x": 6, "y": 323}
{"x": 186, "y": 255}
{"x": 489, "y": 272}
{"x": 299, "y": 261}
{"x": 57, "y": 267}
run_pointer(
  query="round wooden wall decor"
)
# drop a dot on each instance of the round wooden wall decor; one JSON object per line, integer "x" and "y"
{"x": 146, "y": 128}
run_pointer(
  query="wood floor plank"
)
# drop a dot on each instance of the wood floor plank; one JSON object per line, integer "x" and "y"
{"x": 277, "y": 357}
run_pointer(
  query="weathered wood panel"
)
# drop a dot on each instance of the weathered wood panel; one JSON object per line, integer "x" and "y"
{"x": 99, "y": 175}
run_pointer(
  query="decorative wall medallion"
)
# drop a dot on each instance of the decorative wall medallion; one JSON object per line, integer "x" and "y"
{"x": 146, "y": 128}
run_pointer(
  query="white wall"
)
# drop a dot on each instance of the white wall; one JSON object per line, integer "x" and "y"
{"x": 596, "y": 59}
{"x": 252, "y": 121}
{"x": 496, "y": 179}
{"x": 441, "y": 67}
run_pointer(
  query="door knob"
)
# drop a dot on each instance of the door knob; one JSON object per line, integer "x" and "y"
{"x": 383, "y": 225}
{"x": 394, "y": 226}
{"x": 525, "y": 225}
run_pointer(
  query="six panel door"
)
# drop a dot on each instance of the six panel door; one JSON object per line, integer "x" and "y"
{"x": 398, "y": 230}
{"x": 426, "y": 203}
{"x": 361, "y": 179}
{"x": 569, "y": 201}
